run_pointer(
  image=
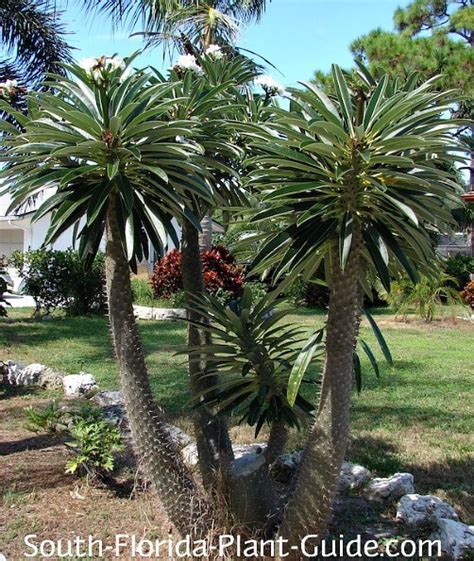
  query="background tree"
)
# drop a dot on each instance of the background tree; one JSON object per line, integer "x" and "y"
{"x": 431, "y": 37}
{"x": 32, "y": 39}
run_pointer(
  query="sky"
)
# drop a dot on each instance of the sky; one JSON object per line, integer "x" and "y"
{"x": 296, "y": 36}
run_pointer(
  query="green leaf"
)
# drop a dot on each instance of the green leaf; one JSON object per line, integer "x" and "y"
{"x": 371, "y": 357}
{"x": 380, "y": 338}
{"x": 301, "y": 364}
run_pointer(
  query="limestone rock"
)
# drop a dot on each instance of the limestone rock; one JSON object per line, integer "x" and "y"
{"x": 80, "y": 385}
{"x": 284, "y": 468}
{"x": 190, "y": 454}
{"x": 160, "y": 314}
{"x": 417, "y": 511}
{"x": 106, "y": 398}
{"x": 390, "y": 488}
{"x": 457, "y": 539}
{"x": 51, "y": 380}
{"x": 354, "y": 477}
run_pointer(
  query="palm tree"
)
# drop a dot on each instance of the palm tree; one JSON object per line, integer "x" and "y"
{"x": 192, "y": 26}
{"x": 30, "y": 30}
{"x": 359, "y": 182}
{"x": 123, "y": 163}
{"x": 189, "y": 25}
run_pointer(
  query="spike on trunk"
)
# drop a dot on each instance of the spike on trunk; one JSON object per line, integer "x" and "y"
{"x": 310, "y": 505}
{"x": 184, "y": 503}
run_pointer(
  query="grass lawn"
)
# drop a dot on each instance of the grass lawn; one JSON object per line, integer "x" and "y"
{"x": 418, "y": 417}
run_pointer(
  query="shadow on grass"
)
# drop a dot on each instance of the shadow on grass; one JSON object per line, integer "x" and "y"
{"x": 452, "y": 477}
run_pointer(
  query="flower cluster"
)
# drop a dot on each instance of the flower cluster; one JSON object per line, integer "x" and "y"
{"x": 220, "y": 271}
{"x": 100, "y": 69}
{"x": 187, "y": 62}
{"x": 8, "y": 89}
{"x": 214, "y": 52}
{"x": 270, "y": 86}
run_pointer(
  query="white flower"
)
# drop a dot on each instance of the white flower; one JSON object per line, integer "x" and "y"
{"x": 99, "y": 68}
{"x": 88, "y": 64}
{"x": 269, "y": 85}
{"x": 214, "y": 51}
{"x": 8, "y": 85}
{"x": 188, "y": 62}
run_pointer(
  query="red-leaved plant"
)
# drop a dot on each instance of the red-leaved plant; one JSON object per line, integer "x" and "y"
{"x": 468, "y": 294}
{"x": 219, "y": 267}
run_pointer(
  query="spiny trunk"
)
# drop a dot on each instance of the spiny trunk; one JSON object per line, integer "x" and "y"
{"x": 212, "y": 437}
{"x": 276, "y": 442}
{"x": 205, "y": 237}
{"x": 184, "y": 503}
{"x": 310, "y": 504}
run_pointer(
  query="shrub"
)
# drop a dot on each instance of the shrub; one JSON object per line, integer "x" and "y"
{"x": 142, "y": 292}
{"x": 423, "y": 297}
{"x": 460, "y": 267}
{"x": 59, "y": 279}
{"x": 51, "y": 418}
{"x": 221, "y": 274}
{"x": 93, "y": 442}
{"x": 468, "y": 294}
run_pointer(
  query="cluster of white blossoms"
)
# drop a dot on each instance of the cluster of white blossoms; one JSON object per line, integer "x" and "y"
{"x": 214, "y": 51}
{"x": 8, "y": 88}
{"x": 269, "y": 85}
{"x": 99, "y": 68}
{"x": 187, "y": 62}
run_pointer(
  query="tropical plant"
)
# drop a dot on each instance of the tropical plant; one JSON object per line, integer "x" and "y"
{"x": 32, "y": 37}
{"x": 93, "y": 444}
{"x": 358, "y": 181}
{"x": 142, "y": 293}
{"x": 255, "y": 352}
{"x": 424, "y": 297}
{"x": 220, "y": 273}
{"x": 121, "y": 158}
{"x": 461, "y": 267}
{"x": 186, "y": 24}
{"x": 50, "y": 418}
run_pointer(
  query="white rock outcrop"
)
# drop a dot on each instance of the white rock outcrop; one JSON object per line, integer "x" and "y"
{"x": 159, "y": 314}
{"x": 390, "y": 488}
{"x": 354, "y": 477}
{"x": 417, "y": 511}
{"x": 190, "y": 454}
{"x": 80, "y": 385}
{"x": 457, "y": 539}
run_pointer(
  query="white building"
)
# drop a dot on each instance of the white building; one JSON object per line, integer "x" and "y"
{"x": 18, "y": 232}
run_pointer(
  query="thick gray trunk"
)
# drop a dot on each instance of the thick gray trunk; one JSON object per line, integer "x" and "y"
{"x": 310, "y": 504}
{"x": 205, "y": 237}
{"x": 212, "y": 437}
{"x": 276, "y": 442}
{"x": 185, "y": 505}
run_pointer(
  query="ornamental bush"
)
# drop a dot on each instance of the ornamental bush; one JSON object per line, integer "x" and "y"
{"x": 460, "y": 267}
{"x": 468, "y": 294}
{"x": 220, "y": 271}
{"x": 59, "y": 279}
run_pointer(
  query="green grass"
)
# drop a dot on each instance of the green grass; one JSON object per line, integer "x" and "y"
{"x": 418, "y": 417}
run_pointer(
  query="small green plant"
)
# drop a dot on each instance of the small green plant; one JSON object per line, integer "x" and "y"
{"x": 423, "y": 297}
{"x": 258, "y": 289}
{"x": 93, "y": 444}
{"x": 50, "y": 419}
{"x": 142, "y": 292}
